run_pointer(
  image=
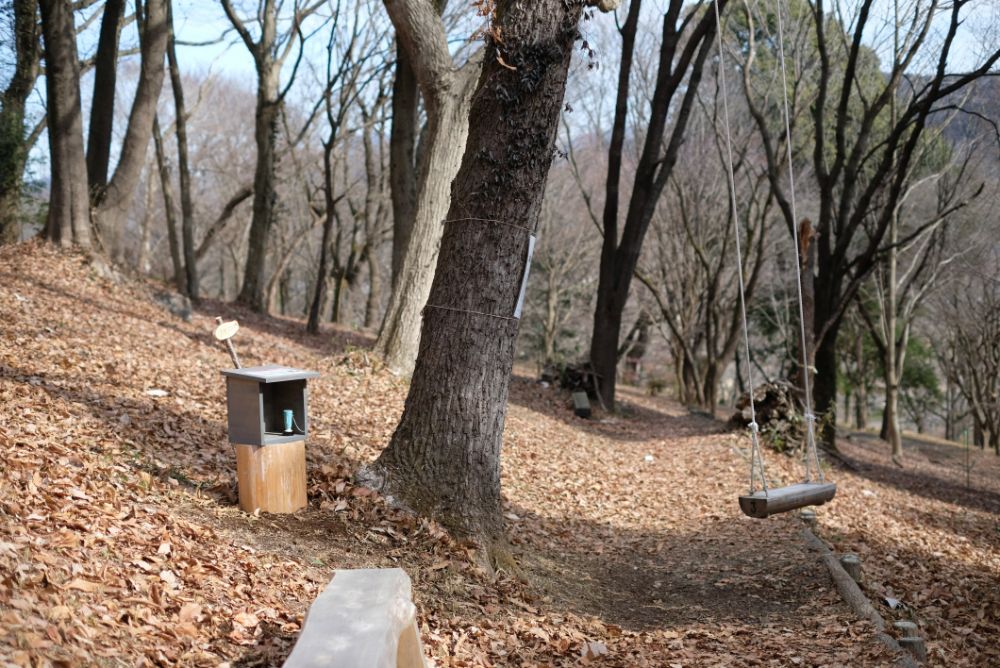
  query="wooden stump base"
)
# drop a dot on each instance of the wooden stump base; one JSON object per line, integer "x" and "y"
{"x": 272, "y": 478}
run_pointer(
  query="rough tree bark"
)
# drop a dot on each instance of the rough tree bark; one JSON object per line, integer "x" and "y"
{"x": 444, "y": 458}
{"x": 169, "y": 213}
{"x": 683, "y": 53}
{"x": 69, "y": 204}
{"x": 402, "y": 157}
{"x": 102, "y": 109}
{"x": 446, "y": 93}
{"x": 112, "y": 202}
{"x": 13, "y": 144}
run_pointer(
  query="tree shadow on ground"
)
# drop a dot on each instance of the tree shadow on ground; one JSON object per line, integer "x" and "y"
{"x": 919, "y": 482}
{"x": 147, "y": 430}
{"x": 635, "y": 421}
{"x": 718, "y": 571}
{"x": 722, "y": 571}
{"x": 331, "y": 340}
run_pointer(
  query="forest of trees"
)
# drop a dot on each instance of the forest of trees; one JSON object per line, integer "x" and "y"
{"x": 382, "y": 165}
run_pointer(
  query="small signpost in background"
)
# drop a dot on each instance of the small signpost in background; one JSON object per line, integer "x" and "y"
{"x": 268, "y": 423}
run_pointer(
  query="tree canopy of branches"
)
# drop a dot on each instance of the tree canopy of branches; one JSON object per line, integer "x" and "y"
{"x": 860, "y": 127}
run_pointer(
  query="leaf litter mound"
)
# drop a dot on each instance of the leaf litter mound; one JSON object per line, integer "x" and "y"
{"x": 121, "y": 542}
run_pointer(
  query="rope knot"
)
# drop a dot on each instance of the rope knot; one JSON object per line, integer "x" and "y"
{"x": 809, "y": 417}
{"x": 754, "y": 428}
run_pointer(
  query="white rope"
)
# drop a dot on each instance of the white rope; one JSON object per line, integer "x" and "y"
{"x": 810, "y": 455}
{"x": 756, "y": 458}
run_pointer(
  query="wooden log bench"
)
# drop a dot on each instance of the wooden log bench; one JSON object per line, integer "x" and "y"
{"x": 363, "y": 619}
{"x": 782, "y": 499}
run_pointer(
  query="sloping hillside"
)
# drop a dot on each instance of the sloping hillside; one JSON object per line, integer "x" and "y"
{"x": 121, "y": 542}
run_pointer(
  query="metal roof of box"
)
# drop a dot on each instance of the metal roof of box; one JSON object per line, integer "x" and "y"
{"x": 270, "y": 373}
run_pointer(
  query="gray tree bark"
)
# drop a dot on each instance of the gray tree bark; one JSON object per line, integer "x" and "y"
{"x": 111, "y": 204}
{"x": 402, "y": 157}
{"x": 446, "y": 93}
{"x": 192, "y": 281}
{"x": 102, "y": 109}
{"x": 169, "y": 212}
{"x": 68, "y": 220}
{"x": 268, "y": 63}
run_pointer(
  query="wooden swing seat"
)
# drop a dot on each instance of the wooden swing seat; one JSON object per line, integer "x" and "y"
{"x": 764, "y": 504}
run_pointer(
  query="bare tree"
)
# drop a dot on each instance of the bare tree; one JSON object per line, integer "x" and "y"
{"x": 863, "y": 155}
{"x": 692, "y": 274}
{"x": 562, "y": 285}
{"x": 686, "y": 41}
{"x": 346, "y": 77}
{"x": 403, "y": 156}
{"x": 969, "y": 316}
{"x": 102, "y": 110}
{"x": 111, "y": 202}
{"x": 68, "y": 220}
{"x": 270, "y": 51}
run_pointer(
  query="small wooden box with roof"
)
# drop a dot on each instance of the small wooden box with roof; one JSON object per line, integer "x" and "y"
{"x": 268, "y": 425}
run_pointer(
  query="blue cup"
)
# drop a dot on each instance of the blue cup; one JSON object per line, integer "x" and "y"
{"x": 289, "y": 419}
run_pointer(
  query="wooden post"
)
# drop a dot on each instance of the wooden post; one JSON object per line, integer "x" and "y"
{"x": 915, "y": 646}
{"x": 272, "y": 477}
{"x": 852, "y": 564}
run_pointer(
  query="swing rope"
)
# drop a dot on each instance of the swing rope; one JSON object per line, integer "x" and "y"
{"x": 756, "y": 457}
{"x": 810, "y": 456}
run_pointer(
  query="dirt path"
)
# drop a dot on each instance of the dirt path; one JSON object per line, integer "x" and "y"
{"x": 659, "y": 548}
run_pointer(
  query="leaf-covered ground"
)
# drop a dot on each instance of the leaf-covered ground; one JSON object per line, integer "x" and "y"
{"x": 121, "y": 542}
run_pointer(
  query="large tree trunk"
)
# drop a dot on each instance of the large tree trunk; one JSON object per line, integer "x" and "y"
{"x": 825, "y": 389}
{"x": 13, "y": 148}
{"x": 402, "y": 157}
{"x": 264, "y": 196}
{"x": 113, "y": 202}
{"x": 69, "y": 204}
{"x": 102, "y": 110}
{"x": 444, "y": 458}
{"x": 446, "y": 93}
